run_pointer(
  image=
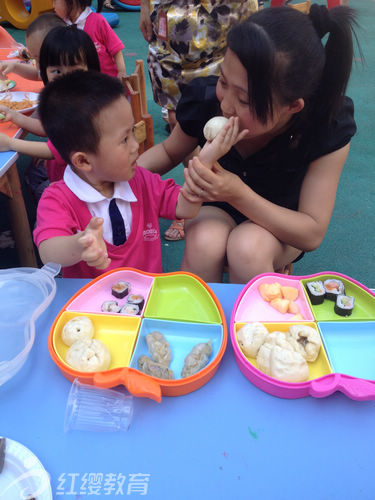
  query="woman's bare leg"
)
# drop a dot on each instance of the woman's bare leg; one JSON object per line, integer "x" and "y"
{"x": 206, "y": 239}
{"x": 253, "y": 250}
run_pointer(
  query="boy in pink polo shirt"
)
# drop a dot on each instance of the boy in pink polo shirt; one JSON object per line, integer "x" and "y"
{"x": 105, "y": 213}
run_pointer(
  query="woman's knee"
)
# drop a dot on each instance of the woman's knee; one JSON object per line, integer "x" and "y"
{"x": 205, "y": 238}
{"x": 250, "y": 246}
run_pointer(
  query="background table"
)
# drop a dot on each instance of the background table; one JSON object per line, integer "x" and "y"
{"x": 228, "y": 440}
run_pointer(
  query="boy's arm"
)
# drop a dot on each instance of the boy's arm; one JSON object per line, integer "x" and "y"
{"x": 32, "y": 125}
{"x": 88, "y": 246}
{"x": 120, "y": 63}
{"x": 27, "y": 71}
{"x": 30, "y": 148}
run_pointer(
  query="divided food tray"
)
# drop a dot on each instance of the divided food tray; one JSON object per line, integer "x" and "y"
{"x": 179, "y": 305}
{"x": 346, "y": 361}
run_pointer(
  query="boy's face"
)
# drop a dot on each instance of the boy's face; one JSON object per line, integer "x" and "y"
{"x": 33, "y": 44}
{"x": 116, "y": 157}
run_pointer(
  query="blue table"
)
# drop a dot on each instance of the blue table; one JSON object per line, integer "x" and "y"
{"x": 10, "y": 186}
{"x": 228, "y": 440}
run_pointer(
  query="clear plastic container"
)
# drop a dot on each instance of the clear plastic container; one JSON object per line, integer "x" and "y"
{"x": 25, "y": 292}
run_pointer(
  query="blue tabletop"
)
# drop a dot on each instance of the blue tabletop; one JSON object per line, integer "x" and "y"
{"x": 227, "y": 440}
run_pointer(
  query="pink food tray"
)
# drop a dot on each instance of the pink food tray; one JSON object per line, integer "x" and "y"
{"x": 249, "y": 307}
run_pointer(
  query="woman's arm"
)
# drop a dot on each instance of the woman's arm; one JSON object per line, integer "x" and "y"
{"x": 28, "y": 123}
{"x": 303, "y": 229}
{"x": 31, "y": 148}
{"x": 169, "y": 153}
{"x": 145, "y": 24}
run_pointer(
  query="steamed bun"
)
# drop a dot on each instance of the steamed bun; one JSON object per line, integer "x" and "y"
{"x": 250, "y": 337}
{"x": 78, "y": 328}
{"x": 88, "y": 355}
{"x": 213, "y": 127}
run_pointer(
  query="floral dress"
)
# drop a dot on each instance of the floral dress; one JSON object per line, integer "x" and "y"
{"x": 188, "y": 41}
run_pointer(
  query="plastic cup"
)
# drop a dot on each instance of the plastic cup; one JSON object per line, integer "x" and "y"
{"x": 91, "y": 408}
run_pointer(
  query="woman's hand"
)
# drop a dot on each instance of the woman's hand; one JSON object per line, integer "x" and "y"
{"x": 94, "y": 250}
{"x": 145, "y": 23}
{"x": 216, "y": 184}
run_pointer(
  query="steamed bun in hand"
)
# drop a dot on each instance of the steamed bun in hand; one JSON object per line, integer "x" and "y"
{"x": 213, "y": 127}
{"x": 78, "y": 328}
{"x": 88, "y": 355}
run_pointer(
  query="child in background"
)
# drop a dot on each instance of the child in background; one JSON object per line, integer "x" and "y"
{"x": 107, "y": 43}
{"x": 105, "y": 213}
{"x": 64, "y": 49}
{"x": 35, "y": 34}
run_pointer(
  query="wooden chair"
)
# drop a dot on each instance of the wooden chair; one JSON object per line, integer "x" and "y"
{"x": 136, "y": 86}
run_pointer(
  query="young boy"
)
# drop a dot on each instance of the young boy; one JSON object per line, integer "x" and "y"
{"x": 105, "y": 213}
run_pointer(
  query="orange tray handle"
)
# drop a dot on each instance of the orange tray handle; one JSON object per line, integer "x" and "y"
{"x": 137, "y": 384}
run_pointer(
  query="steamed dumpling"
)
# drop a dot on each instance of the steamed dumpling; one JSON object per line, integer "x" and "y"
{"x": 88, "y": 356}
{"x": 250, "y": 337}
{"x": 78, "y": 328}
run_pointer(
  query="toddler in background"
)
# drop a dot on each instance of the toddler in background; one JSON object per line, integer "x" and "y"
{"x": 107, "y": 43}
{"x": 105, "y": 213}
{"x": 35, "y": 34}
{"x": 64, "y": 49}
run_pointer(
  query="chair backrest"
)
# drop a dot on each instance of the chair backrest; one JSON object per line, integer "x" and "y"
{"x": 136, "y": 86}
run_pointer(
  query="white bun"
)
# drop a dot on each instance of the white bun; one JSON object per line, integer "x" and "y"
{"x": 78, "y": 328}
{"x": 213, "y": 127}
{"x": 88, "y": 356}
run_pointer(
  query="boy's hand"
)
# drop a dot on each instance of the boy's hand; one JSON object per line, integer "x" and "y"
{"x": 228, "y": 136}
{"x": 7, "y": 67}
{"x": 6, "y": 114}
{"x": 4, "y": 142}
{"x": 94, "y": 250}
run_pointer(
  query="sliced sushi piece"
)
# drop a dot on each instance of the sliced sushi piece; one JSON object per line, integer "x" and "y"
{"x": 111, "y": 306}
{"x": 120, "y": 289}
{"x": 316, "y": 292}
{"x": 333, "y": 288}
{"x": 131, "y": 309}
{"x": 344, "y": 305}
{"x": 136, "y": 299}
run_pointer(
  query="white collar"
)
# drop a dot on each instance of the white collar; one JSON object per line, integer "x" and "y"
{"x": 88, "y": 194}
{"x": 81, "y": 19}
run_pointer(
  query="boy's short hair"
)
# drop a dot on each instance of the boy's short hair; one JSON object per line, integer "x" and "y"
{"x": 69, "y": 106}
{"x": 44, "y": 23}
{"x": 67, "y": 46}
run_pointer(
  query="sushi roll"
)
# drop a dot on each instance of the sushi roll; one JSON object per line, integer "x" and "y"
{"x": 110, "y": 306}
{"x": 333, "y": 288}
{"x": 136, "y": 299}
{"x": 131, "y": 309}
{"x": 316, "y": 292}
{"x": 344, "y": 305}
{"x": 120, "y": 289}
